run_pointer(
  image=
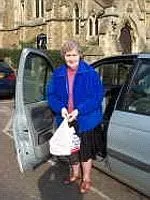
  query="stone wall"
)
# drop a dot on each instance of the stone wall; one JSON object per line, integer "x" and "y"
{"x": 10, "y": 39}
{"x": 58, "y": 24}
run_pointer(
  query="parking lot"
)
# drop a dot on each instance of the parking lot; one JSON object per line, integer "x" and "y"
{"x": 45, "y": 182}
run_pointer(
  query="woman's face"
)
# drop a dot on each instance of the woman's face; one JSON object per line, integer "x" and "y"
{"x": 72, "y": 58}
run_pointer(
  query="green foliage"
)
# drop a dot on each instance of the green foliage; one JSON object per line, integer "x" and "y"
{"x": 55, "y": 57}
{"x": 31, "y": 43}
{"x": 14, "y": 55}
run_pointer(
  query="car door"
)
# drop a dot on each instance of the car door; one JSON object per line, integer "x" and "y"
{"x": 113, "y": 72}
{"x": 33, "y": 120}
{"x": 128, "y": 144}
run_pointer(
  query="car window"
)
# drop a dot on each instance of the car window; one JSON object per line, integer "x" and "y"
{"x": 35, "y": 78}
{"x": 114, "y": 73}
{"x": 5, "y": 67}
{"x": 137, "y": 99}
{"x": 3, "y": 64}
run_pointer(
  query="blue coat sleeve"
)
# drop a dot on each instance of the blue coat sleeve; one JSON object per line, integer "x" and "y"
{"x": 95, "y": 95}
{"x": 54, "y": 103}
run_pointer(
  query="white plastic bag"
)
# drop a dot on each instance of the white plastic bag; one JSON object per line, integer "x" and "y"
{"x": 75, "y": 143}
{"x": 61, "y": 141}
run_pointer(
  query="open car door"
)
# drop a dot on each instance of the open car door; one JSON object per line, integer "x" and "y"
{"x": 33, "y": 120}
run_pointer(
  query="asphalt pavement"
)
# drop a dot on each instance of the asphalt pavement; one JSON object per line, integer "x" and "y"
{"x": 46, "y": 181}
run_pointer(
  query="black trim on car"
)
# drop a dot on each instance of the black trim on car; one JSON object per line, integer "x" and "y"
{"x": 115, "y": 59}
{"x": 129, "y": 160}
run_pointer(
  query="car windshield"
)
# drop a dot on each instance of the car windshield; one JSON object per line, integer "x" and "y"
{"x": 4, "y": 65}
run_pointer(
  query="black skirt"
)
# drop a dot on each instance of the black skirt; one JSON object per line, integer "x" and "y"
{"x": 91, "y": 144}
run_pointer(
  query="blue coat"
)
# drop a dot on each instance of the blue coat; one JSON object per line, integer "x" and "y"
{"x": 87, "y": 95}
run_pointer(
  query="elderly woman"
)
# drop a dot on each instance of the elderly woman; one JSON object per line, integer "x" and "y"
{"x": 76, "y": 92}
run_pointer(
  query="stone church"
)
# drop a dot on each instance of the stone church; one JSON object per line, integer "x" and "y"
{"x": 103, "y": 27}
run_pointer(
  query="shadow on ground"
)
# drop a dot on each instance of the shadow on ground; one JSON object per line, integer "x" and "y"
{"x": 51, "y": 185}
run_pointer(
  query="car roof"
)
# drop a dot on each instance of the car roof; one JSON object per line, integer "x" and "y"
{"x": 118, "y": 58}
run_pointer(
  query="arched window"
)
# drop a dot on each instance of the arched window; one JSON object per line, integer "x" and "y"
{"x": 42, "y": 8}
{"x": 90, "y": 27}
{"x": 77, "y": 20}
{"x": 39, "y": 8}
{"x": 125, "y": 39}
{"x": 96, "y": 26}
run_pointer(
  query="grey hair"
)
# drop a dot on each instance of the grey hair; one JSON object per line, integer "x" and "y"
{"x": 70, "y": 45}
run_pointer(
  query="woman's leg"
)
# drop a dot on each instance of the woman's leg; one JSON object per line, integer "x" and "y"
{"x": 75, "y": 164}
{"x": 75, "y": 168}
{"x": 87, "y": 168}
{"x": 86, "y": 183}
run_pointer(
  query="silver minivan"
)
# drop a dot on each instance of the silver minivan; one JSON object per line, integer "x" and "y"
{"x": 125, "y": 149}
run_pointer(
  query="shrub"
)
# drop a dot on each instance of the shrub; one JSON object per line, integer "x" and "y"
{"x": 14, "y": 55}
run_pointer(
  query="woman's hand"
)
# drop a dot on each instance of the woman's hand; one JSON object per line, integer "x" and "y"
{"x": 73, "y": 115}
{"x": 64, "y": 113}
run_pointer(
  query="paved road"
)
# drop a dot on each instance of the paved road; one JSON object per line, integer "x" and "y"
{"x": 45, "y": 183}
